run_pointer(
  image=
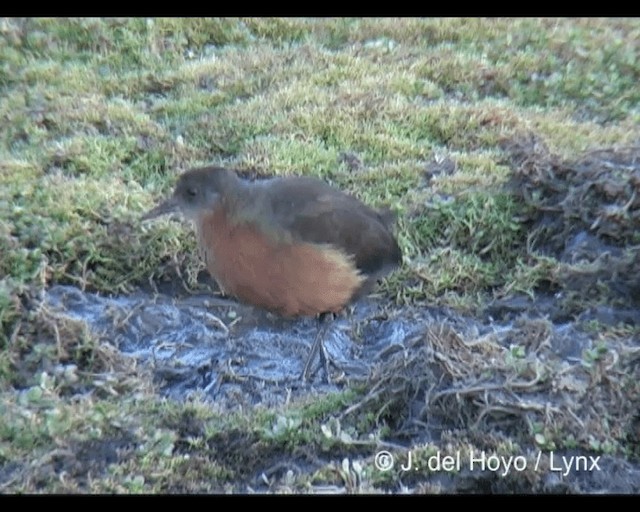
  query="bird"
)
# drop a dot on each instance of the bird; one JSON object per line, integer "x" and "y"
{"x": 294, "y": 246}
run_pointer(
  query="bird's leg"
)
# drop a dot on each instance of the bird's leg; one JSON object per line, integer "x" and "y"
{"x": 318, "y": 346}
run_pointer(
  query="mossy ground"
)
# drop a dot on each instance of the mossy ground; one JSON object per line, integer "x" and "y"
{"x": 421, "y": 115}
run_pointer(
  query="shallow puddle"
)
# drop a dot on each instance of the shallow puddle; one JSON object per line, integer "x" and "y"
{"x": 444, "y": 369}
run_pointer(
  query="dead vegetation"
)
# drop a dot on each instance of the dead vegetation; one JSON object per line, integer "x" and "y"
{"x": 585, "y": 213}
{"x": 536, "y": 386}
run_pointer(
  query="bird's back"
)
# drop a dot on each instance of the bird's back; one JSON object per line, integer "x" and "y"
{"x": 312, "y": 211}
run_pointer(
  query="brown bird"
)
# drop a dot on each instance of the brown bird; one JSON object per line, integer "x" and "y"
{"x": 294, "y": 246}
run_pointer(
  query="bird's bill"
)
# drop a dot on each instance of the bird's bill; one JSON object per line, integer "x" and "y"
{"x": 168, "y": 206}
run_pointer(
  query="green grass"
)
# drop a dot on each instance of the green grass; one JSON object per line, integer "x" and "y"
{"x": 100, "y": 115}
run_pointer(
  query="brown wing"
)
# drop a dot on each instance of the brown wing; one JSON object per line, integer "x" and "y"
{"x": 314, "y": 212}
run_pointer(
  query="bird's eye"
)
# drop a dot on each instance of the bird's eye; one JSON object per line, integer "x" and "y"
{"x": 192, "y": 192}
